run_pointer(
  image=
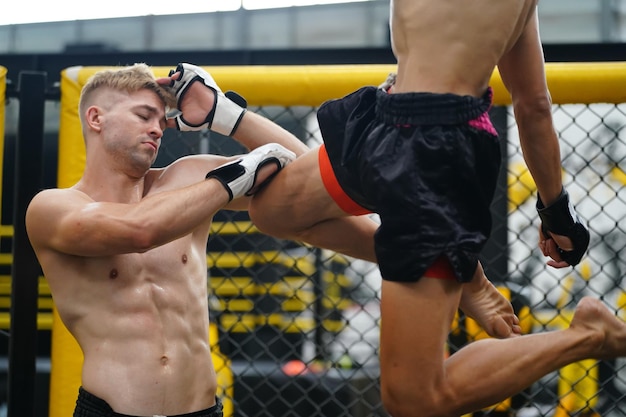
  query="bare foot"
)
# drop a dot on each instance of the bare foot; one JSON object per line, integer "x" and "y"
{"x": 605, "y": 330}
{"x": 482, "y": 301}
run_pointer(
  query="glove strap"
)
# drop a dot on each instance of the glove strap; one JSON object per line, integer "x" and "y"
{"x": 226, "y": 116}
{"x": 226, "y": 174}
{"x": 560, "y": 216}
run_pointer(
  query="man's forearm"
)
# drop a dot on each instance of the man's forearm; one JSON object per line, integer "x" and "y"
{"x": 255, "y": 130}
{"x": 541, "y": 152}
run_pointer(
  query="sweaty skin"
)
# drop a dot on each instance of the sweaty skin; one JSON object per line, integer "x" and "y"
{"x": 124, "y": 253}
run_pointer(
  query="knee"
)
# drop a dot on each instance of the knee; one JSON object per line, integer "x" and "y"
{"x": 268, "y": 219}
{"x": 261, "y": 216}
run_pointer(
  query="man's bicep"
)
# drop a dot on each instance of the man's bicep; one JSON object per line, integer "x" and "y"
{"x": 45, "y": 216}
{"x": 67, "y": 222}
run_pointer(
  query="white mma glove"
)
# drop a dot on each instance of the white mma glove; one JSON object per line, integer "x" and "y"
{"x": 239, "y": 177}
{"x": 226, "y": 113}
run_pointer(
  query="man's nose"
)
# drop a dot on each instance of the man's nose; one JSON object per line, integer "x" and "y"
{"x": 156, "y": 130}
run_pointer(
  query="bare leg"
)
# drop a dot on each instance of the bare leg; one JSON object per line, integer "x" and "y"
{"x": 296, "y": 206}
{"x": 417, "y": 380}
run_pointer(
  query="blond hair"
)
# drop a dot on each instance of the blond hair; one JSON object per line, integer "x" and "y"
{"x": 129, "y": 79}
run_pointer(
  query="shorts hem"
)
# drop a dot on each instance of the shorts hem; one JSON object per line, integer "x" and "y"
{"x": 334, "y": 189}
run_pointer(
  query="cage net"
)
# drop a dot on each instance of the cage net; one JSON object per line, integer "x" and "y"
{"x": 298, "y": 326}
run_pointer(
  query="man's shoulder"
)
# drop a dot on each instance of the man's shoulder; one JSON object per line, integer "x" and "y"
{"x": 54, "y": 196}
{"x": 49, "y": 193}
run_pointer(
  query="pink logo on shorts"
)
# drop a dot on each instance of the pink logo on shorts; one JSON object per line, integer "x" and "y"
{"x": 483, "y": 122}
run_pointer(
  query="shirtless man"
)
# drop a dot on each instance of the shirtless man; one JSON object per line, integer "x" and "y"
{"x": 124, "y": 249}
{"x": 422, "y": 153}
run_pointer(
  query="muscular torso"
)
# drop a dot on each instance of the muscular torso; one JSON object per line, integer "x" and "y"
{"x": 141, "y": 320}
{"x": 453, "y": 46}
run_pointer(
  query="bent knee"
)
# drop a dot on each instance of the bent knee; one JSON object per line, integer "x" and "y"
{"x": 272, "y": 219}
{"x": 265, "y": 219}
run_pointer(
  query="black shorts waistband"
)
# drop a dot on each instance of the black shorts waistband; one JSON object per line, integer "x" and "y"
{"x": 88, "y": 405}
{"x": 430, "y": 108}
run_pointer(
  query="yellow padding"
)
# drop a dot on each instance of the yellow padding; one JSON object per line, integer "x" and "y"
{"x": 245, "y": 286}
{"x": 578, "y": 388}
{"x": 44, "y": 304}
{"x": 233, "y": 228}
{"x": 284, "y": 289}
{"x": 236, "y": 305}
{"x": 311, "y": 85}
{"x": 521, "y": 185}
{"x": 229, "y": 260}
{"x": 232, "y": 287}
{"x": 238, "y": 323}
{"x": 6, "y": 230}
{"x": 44, "y": 321}
{"x": 225, "y": 379}
{"x": 6, "y": 259}
{"x": 5, "y": 285}
{"x": 296, "y": 304}
{"x": 619, "y": 175}
{"x": 246, "y": 323}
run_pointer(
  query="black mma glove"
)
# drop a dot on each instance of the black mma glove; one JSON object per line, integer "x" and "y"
{"x": 238, "y": 177}
{"x": 560, "y": 218}
{"x": 228, "y": 109}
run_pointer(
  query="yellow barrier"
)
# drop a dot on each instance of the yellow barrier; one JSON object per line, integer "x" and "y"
{"x": 285, "y": 86}
{"x": 310, "y": 85}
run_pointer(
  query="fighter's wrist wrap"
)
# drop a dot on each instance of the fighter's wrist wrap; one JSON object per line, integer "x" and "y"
{"x": 560, "y": 218}
{"x": 226, "y": 174}
{"x": 228, "y": 108}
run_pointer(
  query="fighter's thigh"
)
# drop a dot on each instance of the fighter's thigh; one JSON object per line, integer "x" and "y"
{"x": 415, "y": 322}
{"x": 296, "y": 195}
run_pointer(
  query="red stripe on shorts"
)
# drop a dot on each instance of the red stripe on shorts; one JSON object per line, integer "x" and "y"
{"x": 440, "y": 269}
{"x": 334, "y": 189}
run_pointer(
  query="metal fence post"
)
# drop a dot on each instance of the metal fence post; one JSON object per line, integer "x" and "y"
{"x": 25, "y": 269}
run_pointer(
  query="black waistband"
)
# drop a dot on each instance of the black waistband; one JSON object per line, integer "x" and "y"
{"x": 89, "y": 405}
{"x": 430, "y": 108}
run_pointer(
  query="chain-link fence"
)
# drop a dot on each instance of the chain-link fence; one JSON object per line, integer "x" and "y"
{"x": 298, "y": 326}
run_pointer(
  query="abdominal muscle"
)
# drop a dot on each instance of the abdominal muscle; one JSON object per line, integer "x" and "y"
{"x": 147, "y": 374}
{"x": 145, "y": 334}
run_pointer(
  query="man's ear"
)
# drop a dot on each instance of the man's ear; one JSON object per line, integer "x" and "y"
{"x": 93, "y": 118}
